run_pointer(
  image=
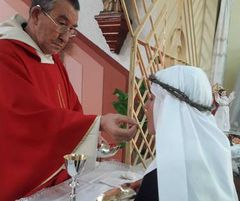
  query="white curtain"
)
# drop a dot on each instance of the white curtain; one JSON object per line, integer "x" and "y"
{"x": 221, "y": 42}
{"x": 235, "y": 108}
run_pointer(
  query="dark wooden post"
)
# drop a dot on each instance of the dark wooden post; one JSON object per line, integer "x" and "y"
{"x": 113, "y": 25}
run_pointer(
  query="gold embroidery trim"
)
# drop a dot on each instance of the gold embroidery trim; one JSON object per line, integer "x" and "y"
{"x": 60, "y": 97}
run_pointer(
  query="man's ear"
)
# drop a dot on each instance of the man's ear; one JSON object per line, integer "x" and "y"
{"x": 34, "y": 13}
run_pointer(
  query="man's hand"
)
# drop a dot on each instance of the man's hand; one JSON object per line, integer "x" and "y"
{"x": 110, "y": 123}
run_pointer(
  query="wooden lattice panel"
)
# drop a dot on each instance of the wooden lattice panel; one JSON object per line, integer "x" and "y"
{"x": 146, "y": 58}
{"x": 163, "y": 33}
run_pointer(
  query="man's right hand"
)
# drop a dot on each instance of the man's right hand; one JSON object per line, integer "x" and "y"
{"x": 110, "y": 123}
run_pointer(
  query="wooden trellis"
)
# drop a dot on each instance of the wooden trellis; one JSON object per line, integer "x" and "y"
{"x": 163, "y": 33}
{"x": 147, "y": 23}
{"x": 146, "y": 58}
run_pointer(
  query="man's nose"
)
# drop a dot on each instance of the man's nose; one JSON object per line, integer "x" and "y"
{"x": 64, "y": 37}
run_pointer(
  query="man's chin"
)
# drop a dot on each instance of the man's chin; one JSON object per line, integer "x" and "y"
{"x": 53, "y": 51}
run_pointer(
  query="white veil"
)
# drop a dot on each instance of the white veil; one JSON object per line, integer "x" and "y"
{"x": 193, "y": 156}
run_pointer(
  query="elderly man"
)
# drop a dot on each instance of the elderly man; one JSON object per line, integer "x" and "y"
{"x": 41, "y": 118}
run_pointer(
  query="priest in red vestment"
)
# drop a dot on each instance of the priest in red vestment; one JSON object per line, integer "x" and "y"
{"x": 41, "y": 118}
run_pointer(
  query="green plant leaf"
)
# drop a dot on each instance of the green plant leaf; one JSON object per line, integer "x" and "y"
{"x": 122, "y": 101}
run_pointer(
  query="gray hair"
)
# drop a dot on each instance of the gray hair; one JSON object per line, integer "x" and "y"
{"x": 48, "y": 5}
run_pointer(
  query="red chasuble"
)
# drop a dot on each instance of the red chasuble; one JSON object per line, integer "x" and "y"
{"x": 41, "y": 120}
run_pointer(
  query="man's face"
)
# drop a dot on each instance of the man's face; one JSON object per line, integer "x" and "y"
{"x": 48, "y": 35}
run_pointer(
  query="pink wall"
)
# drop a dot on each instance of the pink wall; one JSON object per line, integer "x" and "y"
{"x": 74, "y": 69}
{"x": 11, "y": 7}
{"x": 6, "y": 10}
{"x": 114, "y": 75}
{"x": 90, "y": 79}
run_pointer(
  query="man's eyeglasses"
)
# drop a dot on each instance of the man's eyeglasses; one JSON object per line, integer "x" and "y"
{"x": 62, "y": 28}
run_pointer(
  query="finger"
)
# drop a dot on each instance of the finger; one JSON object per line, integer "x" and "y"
{"x": 126, "y": 134}
{"x": 133, "y": 131}
{"x": 125, "y": 119}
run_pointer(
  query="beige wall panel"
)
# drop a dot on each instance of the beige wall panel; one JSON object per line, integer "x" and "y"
{"x": 207, "y": 39}
{"x": 232, "y": 72}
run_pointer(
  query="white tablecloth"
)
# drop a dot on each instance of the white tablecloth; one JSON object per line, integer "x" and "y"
{"x": 107, "y": 175}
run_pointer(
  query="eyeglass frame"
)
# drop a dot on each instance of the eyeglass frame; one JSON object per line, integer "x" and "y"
{"x": 62, "y": 29}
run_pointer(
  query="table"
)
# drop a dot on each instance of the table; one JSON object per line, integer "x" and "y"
{"x": 107, "y": 175}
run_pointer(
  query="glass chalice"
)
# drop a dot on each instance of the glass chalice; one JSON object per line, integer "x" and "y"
{"x": 74, "y": 164}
